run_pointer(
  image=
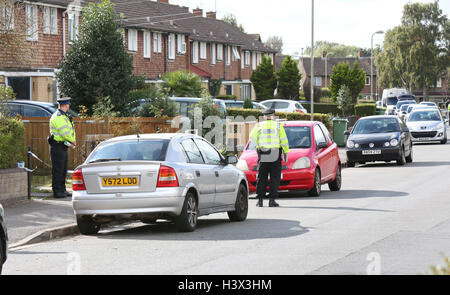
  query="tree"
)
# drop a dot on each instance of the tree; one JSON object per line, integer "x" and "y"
{"x": 276, "y": 43}
{"x": 231, "y": 19}
{"x": 416, "y": 53}
{"x": 335, "y": 50}
{"x": 264, "y": 79}
{"x": 354, "y": 78}
{"x": 182, "y": 84}
{"x": 344, "y": 100}
{"x": 98, "y": 65}
{"x": 214, "y": 86}
{"x": 289, "y": 79}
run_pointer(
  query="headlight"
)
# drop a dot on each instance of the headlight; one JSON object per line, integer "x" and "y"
{"x": 302, "y": 163}
{"x": 394, "y": 142}
{"x": 242, "y": 165}
{"x": 350, "y": 144}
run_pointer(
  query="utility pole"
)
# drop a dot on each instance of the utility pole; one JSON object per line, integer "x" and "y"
{"x": 312, "y": 60}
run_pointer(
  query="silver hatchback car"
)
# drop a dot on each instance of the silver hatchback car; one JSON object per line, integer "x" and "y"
{"x": 147, "y": 177}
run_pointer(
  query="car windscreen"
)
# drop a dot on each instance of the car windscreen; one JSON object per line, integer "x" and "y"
{"x": 299, "y": 137}
{"x": 403, "y": 102}
{"x": 376, "y": 125}
{"x": 404, "y": 107}
{"x": 425, "y": 116}
{"x": 131, "y": 150}
{"x": 392, "y": 101}
{"x": 234, "y": 104}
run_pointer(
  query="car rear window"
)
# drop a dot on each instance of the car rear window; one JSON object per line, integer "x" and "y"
{"x": 298, "y": 137}
{"x": 379, "y": 125}
{"x": 132, "y": 150}
{"x": 281, "y": 105}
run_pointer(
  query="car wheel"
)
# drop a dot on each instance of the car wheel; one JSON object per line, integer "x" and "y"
{"x": 187, "y": 221}
{"x": 1, "y": 255}
{"x": 350, "y": 164}
{"x": 315, "y": 191}
{"x": 241, "y": 205}
{"x": 335, "y": 185}
{"x": 87, "y": 226}
{"x": 444, "y": 141}
{"x": 409, "y": 158}
{"x": 402, "y": 160}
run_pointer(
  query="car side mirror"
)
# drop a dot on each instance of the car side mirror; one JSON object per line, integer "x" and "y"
{"x": 322, "y": 145}
{"x": 231, "y": 160}
{"x": 347, "y": 132}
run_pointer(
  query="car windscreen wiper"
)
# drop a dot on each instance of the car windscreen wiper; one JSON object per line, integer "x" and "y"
{"x": 104, "y": 160}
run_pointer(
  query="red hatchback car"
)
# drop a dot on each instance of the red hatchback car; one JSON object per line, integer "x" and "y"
{"x": 313, "y": 159}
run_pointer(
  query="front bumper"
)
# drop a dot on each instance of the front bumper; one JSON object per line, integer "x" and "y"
{"x": 162, "y": 200}
{"x": 387, "y": 154}
{"x": 425, "y": 136}
{"x": 292, "y": 180}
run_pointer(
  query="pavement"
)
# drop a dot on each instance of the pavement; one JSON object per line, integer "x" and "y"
{"x": 44, "y": 218}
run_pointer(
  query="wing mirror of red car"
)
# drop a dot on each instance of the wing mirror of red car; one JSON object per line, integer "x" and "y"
{"x": 322, "y": 145}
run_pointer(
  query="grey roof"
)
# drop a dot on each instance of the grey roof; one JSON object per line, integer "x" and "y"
{"x": 319, "y": 64}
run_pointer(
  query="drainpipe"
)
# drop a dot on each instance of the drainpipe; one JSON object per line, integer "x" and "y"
{"x": 64, "y": 32}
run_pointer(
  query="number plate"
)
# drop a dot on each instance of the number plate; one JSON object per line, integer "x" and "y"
{"x": 423, "y": 138}
{"x": 120, "y": 181}
{"x": 371, "y": 152}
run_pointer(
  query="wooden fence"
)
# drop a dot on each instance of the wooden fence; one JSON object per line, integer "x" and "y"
{"x": 89, "y": 133}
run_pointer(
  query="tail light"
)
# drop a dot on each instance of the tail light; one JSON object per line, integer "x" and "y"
{"x": 167, "y": 177}
{"x": 298, "y": 111}
{"x": 78, "y": 181}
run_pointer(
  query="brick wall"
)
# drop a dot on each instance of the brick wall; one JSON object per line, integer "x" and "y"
{"x": 13, "y": 185}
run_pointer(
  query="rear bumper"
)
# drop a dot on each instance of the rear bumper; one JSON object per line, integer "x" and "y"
{"x": 163, "y": 200}
{"x": 302, "y": 179}
{"x": 387, "y": 154}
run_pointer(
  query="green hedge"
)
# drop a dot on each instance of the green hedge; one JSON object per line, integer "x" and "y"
{"x": 12, "y": 142}
{"x": 365, "y": 109}
{"x": 322, "y": 108}
{"x": 257, "y": 113}
{"x": 225, "y": 97}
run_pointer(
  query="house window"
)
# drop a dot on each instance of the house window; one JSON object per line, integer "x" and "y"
{"x": 213, "y": 53}
{"x": 317, "y": 81}
{"x": 181, "y": 44}
{"x": 202, "y": 50}
{"x": 147, "y": 44}
{"x": 7, "y": 16}
{"x": 236, "y": 55}
{"x": 73, "y": 27}
{"x": 220, "y": 52}
{"x": 31, "y": 22}
{"x": 247, "y": 58}
{"x": 367, "y": 80}
{"x": 50, "y": 15}
{"x": 228, "y": 55}
{"x": 171, "y": 46}
{"x": 254, "y": 60}
{"x": 228, "y": 89}
{"x": 157, "y": 42}
{"x": 245, "y": 91}
{"x": 439, "y": 82}
{"x": 259, "y": 58}
{"x": 132, "y": 40}
{"x": 195, "y": 52}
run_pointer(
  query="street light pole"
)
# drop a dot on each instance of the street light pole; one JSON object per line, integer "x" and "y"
{"x": 371, "y": 63}
{"x": 312, "y": 60}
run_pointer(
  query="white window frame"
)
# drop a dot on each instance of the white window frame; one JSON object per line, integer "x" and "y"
{"x": 254, "y": 65}
{"x": 368, "y": 81}
{"x": 195, "y": 52}
{"x": 31, "y": 14}
{"x": 7, "y": 16}
{"x": 73, "y": 22}
{"x": 318, "y": 81}
{"x": 219, "y": 52}
{"x": 171, "y": 46}
{"x": 132, "y": 40}
{"x": 50, "y": 20}
{"x": 259, "y": 58}
{"x": 236, "y": 54}
{"x": 228, "y": 55}
{"x": 157, "y": 42}
{"x": 147, "y": 44}
{"x": 203, "y": 50}
{"x": 439, "y": 83}
{"x": 181, "y": 44}
{"x": 213, "y": 53}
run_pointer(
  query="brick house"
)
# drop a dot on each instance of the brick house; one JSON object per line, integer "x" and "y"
{"x": 161, "y": 38}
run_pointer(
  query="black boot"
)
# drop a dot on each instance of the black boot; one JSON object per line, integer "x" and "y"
{"x": 260, "y": 203}
{"x": 272, "y": 203}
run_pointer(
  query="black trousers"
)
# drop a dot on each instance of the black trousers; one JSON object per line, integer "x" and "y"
{"x": 265, "y": 169}
{"x": 59, "y": 155}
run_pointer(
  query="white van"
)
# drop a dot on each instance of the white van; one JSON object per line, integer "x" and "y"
{"x": 390, "y": 98}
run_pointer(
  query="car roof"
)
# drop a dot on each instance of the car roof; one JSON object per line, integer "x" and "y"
{"x": 285, "y": 100}
{"x": 299, "y": 123}
{"x": 148, "y": 136}
{"x": 379, "y": 117}
{"x": 32, "y": 102}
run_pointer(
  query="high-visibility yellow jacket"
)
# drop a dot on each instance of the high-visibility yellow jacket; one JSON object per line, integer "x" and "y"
{"x": 62, "y": 127}
{"x": 270, "y": 134}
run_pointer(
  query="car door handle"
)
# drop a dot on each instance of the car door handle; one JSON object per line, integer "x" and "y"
{"x": 217, "y": 173}
{"x": 197, "y": 173}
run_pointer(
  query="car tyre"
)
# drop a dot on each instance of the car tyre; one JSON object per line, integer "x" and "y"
{"x": 350, "y": 164}
{"x": 87, "y": 226}
{"x": 402, "y": 160}
{"x": 1, "y": 254}
{"x": 187, "y": 221}
{"x": 315, "y": 191}
{"x": 335, "y": 185}
{"x": 409, "y": 158}
{"x": 444, "y": 141}
{"x": 241, "y": 205}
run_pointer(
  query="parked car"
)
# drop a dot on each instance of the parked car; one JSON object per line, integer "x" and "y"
{"x": 30, "y": 108}
{"x": 401, "y": 103}
{"x": 427, "y": 125}
{"x": 146, "y": 177}
{"x": 3, "y": 239}
{"x": 379, "y": 138}
{"x": 429, "y": 103}
{"x": 184, "y": 103}
{"x": 313, "y": 159}
{"x": 240, "y": 104}
{"x": 283, "y": 105}
{"x": 402, "y": 111}
{"x": 409, "y": 110}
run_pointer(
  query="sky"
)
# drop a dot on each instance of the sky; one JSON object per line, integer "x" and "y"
{"x": 349, "y": 22}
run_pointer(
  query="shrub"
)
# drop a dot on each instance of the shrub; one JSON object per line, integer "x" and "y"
{"x": 12, "y": 142}
{"x": 366, "y": 109}
{"x": 159, "y": 107}
{"x": 226, "y": 96}
{"x": 344, "y": 101}
{"x": 183, "y": 84}
{"x": 322, "y": 108}
{"x": 307, "y": 91}
{"x": 326, "y": 92}
{"x": 248, "y": 103}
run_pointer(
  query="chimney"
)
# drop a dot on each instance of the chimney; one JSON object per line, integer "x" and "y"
{"x": 198, "y": 12}
{"x": 163, "y": 1}
{"x": 211, "y": 14}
